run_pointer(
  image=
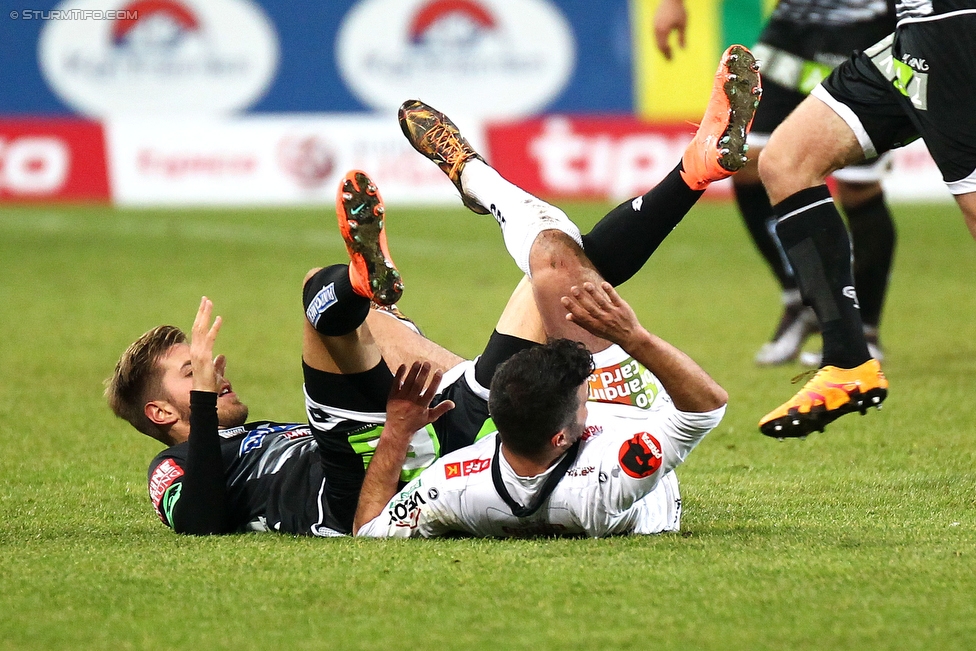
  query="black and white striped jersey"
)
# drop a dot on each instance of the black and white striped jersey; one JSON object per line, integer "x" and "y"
{"x": 920, "y": 9}
{"x": 830, "y": 12}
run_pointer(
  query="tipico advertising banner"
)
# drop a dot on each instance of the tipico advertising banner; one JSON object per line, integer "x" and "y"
{"x": 52, "y": 160}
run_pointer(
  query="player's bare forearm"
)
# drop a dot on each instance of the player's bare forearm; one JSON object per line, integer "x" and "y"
{"x": 382, "y": 478}
{"x": 601, "y": 311}
{"x": 407, "y": 410}
{"x": 690, "y": 387}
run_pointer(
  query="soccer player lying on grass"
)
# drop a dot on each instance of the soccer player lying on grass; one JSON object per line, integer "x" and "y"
{"x": 221, "y": 474}
{"x": 571, "y": 455}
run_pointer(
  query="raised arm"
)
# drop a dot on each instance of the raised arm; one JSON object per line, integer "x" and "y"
{"x": 407, "y": 410}
{"x": 602, "y": 312}
{"x": 202, "y": 506}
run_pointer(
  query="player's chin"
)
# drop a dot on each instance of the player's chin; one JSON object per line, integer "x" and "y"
{"x": 232, "y": 415}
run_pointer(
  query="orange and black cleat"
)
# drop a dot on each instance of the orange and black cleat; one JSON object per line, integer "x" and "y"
{"x": 719, "y": 148}
{"x": 435, "y": 136}
{"x": 829, "y": 394}
{"x": 361, "y": 216}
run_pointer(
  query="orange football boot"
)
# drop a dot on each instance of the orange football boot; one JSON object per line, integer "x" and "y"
{"x": 361, "y": 213}
{"x": 718, "y": 149}
{"x": 829, "y": 394}
{"x": 435, "y": 136}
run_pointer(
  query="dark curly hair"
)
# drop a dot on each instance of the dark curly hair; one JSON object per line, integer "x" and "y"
{"x": 534, "y": 394}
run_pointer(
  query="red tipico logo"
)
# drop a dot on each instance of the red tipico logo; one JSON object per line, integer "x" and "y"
{"x": 589, "y": 157}
{"x": 465, "y": 468}
{"x": 52, "y": 159}
{"x": 162, "y": 478}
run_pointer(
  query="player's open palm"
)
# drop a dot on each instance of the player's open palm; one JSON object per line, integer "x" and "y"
{"x": 601, "y": 311}
{"x": 202, "y": 339}
{"x": 408, "y": 405}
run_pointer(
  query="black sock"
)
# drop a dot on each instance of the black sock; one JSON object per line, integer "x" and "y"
{"x": 498, "y": 349}
{"x": 757, "y": 213}
{"x": 873, "y": 237}
{"x": 620, "y": 243}
{"x": 819, "y": 249}
{"x": 331, "y": 305}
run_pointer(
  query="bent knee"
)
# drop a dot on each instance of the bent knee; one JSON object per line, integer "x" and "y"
{"x": 309, "y": 275}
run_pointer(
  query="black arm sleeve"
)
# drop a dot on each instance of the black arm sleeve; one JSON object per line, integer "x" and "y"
{"x": 202, "y": 508}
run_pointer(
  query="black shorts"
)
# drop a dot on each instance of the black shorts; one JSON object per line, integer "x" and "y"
{"x": 917, "y": 82}
{"x": 346, "y": 414}
{"x": 794, "y": 59}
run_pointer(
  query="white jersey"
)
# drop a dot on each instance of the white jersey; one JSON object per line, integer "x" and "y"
{"x": 621, "y": 481}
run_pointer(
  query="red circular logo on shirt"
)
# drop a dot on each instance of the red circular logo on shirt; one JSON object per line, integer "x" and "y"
{"x": 640, "y": 456}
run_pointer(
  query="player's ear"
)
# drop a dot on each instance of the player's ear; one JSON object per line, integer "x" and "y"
{"x": 560, "y": 439}
{"x": 161, "y": 413}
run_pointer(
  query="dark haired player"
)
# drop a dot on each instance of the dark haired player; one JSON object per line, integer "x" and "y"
{"x": 564, "y": 460}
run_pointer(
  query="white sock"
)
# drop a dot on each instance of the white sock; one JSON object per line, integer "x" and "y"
{"x": 521, "y": 215}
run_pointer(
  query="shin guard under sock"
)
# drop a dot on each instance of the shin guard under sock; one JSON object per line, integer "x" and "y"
{"x": 620, "y": 243}
{"x": 757, "y": 213}
{"x": 819, "y": 250}
{"x": 873, "y": 238}
{"x": 331, "y": 305}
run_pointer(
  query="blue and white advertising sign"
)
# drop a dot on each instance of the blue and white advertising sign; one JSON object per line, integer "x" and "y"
{"x": 483, "y": 58}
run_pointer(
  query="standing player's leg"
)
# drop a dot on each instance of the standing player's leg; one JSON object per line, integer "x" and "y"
{"x": 798, "y": 321}
{"x": 813, "y": 142}
{"x": 967, "y": 202}
{"x": 873, "y": 239}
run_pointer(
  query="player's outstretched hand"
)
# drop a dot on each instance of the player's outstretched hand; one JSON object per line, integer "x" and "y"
{"x": 601, "y": 311}
{"x": 202, "y": 339}
{"x": 408, "y": 405}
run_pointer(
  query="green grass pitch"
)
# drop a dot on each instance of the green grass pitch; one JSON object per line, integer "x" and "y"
{"x": 860, "y": 538}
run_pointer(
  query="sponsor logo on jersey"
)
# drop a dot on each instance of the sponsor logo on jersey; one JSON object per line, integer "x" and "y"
{"x": 232, "y": 432}
{"x": 168, "y": 503}
{"x": 626, "y": 383}
{"x": 405, "y": 512}
{"x": 641, "y": 456}
{"x": 255, "y": 438}
{"x": 162, "y": 478}
{"x": 581, "y": 472}
{"x": 325, "y": 299}
{"x": 295, "y": 434}
{"x": 252, "y": 441}
{"x": 591, "y": 431}
{"x": 465, "y": 468}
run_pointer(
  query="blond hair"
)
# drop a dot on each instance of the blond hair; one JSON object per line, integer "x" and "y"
{"x": 137, "y": 378}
